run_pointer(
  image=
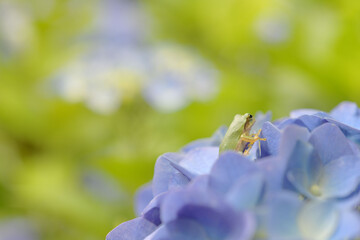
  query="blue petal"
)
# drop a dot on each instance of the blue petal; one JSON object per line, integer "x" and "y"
{"x": 351, "y": 132}
{"x": 166, "y": 176}
{"x": 289, "y": 138}
{"x": 179, "y": 229}
{"x": 209, "y": 210}
{"x": 260, "y": 120}
{"x": 136, "y": 229}
{"x": 347, "y": 113}
{"x": 273, "y": 172}
{"x": 228, "y": 169}
{"x": 214, "y": 141}
{"x": 348, "y": 227}
{"x": 312, "y": 122}
{"x": 152, "y": 210}
{"x": 318, "y": 220}
{"x": 272, "y": 135}
{"x": 246, "y": 192}
{"x": 304, "y": 168}
{"x": 142, "y": 198}
{"x": 200, "y": 183}
{"x": 330, "y": 142}
{"x": 175, "y": 201}
{"x": 341, "y": 177}
{"x": 198, "y": 161}
{"x": 301, "y": 112}
{"x": 281, "y": 221}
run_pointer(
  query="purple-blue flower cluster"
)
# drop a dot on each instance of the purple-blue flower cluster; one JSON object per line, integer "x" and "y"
{"x": 301, "y": 183}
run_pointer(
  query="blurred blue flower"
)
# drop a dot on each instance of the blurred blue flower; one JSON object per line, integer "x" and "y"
{"x": 302, "y": 183}
{"x": 17, "y": 229}
{"x": 177, "y": 77}
{"x": 119, "y": 66}
{"x": 16, "y": 28}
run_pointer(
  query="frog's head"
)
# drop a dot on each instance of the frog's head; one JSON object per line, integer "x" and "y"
{"x": 250, "y": 120}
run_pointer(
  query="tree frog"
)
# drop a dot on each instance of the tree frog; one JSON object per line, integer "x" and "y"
{"x": 238, "y": 137}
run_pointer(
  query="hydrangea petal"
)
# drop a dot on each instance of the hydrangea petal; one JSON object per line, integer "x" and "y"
{"x": 301, "y": 112}
{"x": 272, "y": 135}
{"x": 289, "y": 138}
{"x": 283, "y": 210}
{"x": 166, "y": 176}
{"x": 142, "y": 198}
{"x": 228, "y": 168}
{"x": 273, "y": 172}
{"x": 341, "y": 177}
{"x": 179, "y": 230}
{"x": 176, "y": 200}
{"x": 152, "y": 210}
{"x": 136, "y": 229}
{"x": 330, "y": 142}
{"x": 347, "y": 113}
{"x": 260, "y": 120}
{"x": 318, "y": 220}
{"x": 198, "y": 161}
{"x": 246, "y": 192}
{"x": 213, "y": 141}
{"x": 348, "y": 227}
{"x": 304, "y": 168}
{"x": 351, "y": 132}
{"x": 311, "y": 122}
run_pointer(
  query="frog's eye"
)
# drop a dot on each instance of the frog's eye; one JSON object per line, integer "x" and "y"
{"x": 250, "y": 116}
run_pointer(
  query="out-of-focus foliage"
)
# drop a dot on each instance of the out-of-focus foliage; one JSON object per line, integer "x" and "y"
{"x": 69, "y": 173}
{"x": 275, "y": 54}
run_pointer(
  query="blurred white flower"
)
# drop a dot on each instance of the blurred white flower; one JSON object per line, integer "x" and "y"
{"x": 102, "y": 78}
{"x": 120, "y": 67}
{"x": 177, "y": 77}
{"x": 16, "y": 29}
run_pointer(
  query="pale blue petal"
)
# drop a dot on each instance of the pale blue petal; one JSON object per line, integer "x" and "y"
{"x": 136, "y": 229}
{"x": 180, "y": 229}
{"x": 281, "y": 221}
{"x": 341, "y": 177}
{"x": 304, "y": 168}
{"x": 260, "y": 120}
{"x": 214, "y": 141}
{"x": 198, "y": 161}
{"x": 228, "y": 169}
{"x": 330, "y": 142}
{"x": 318, "y": 220}
{"x": 175, "y": 201}
{"x": 272, "y": 135}
{"x": 166, "y": 176}
{"x": 289, "y": 138}
{"x": 142, "y": 198}
{"x": 152, "y": 210}
{"x": 246, "y": 192}
{"x": 273, "y": 172}
{"x": 311, "y": 122}
{"x": 347, "y": 113}
{"x": 348, "y": 227}
{"x": 301, "y": 112}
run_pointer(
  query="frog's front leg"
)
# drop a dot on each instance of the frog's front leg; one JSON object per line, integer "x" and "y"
{"x": 248, "y": 141}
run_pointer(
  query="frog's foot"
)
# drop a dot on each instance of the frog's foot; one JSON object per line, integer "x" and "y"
{"x": 250, "y": 140}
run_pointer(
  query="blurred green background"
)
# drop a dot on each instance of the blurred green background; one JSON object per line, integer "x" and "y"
{"x": 67, "y": 172}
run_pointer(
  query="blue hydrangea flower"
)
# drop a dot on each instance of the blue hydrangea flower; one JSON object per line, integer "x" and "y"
{"x": 302, "y": 183}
